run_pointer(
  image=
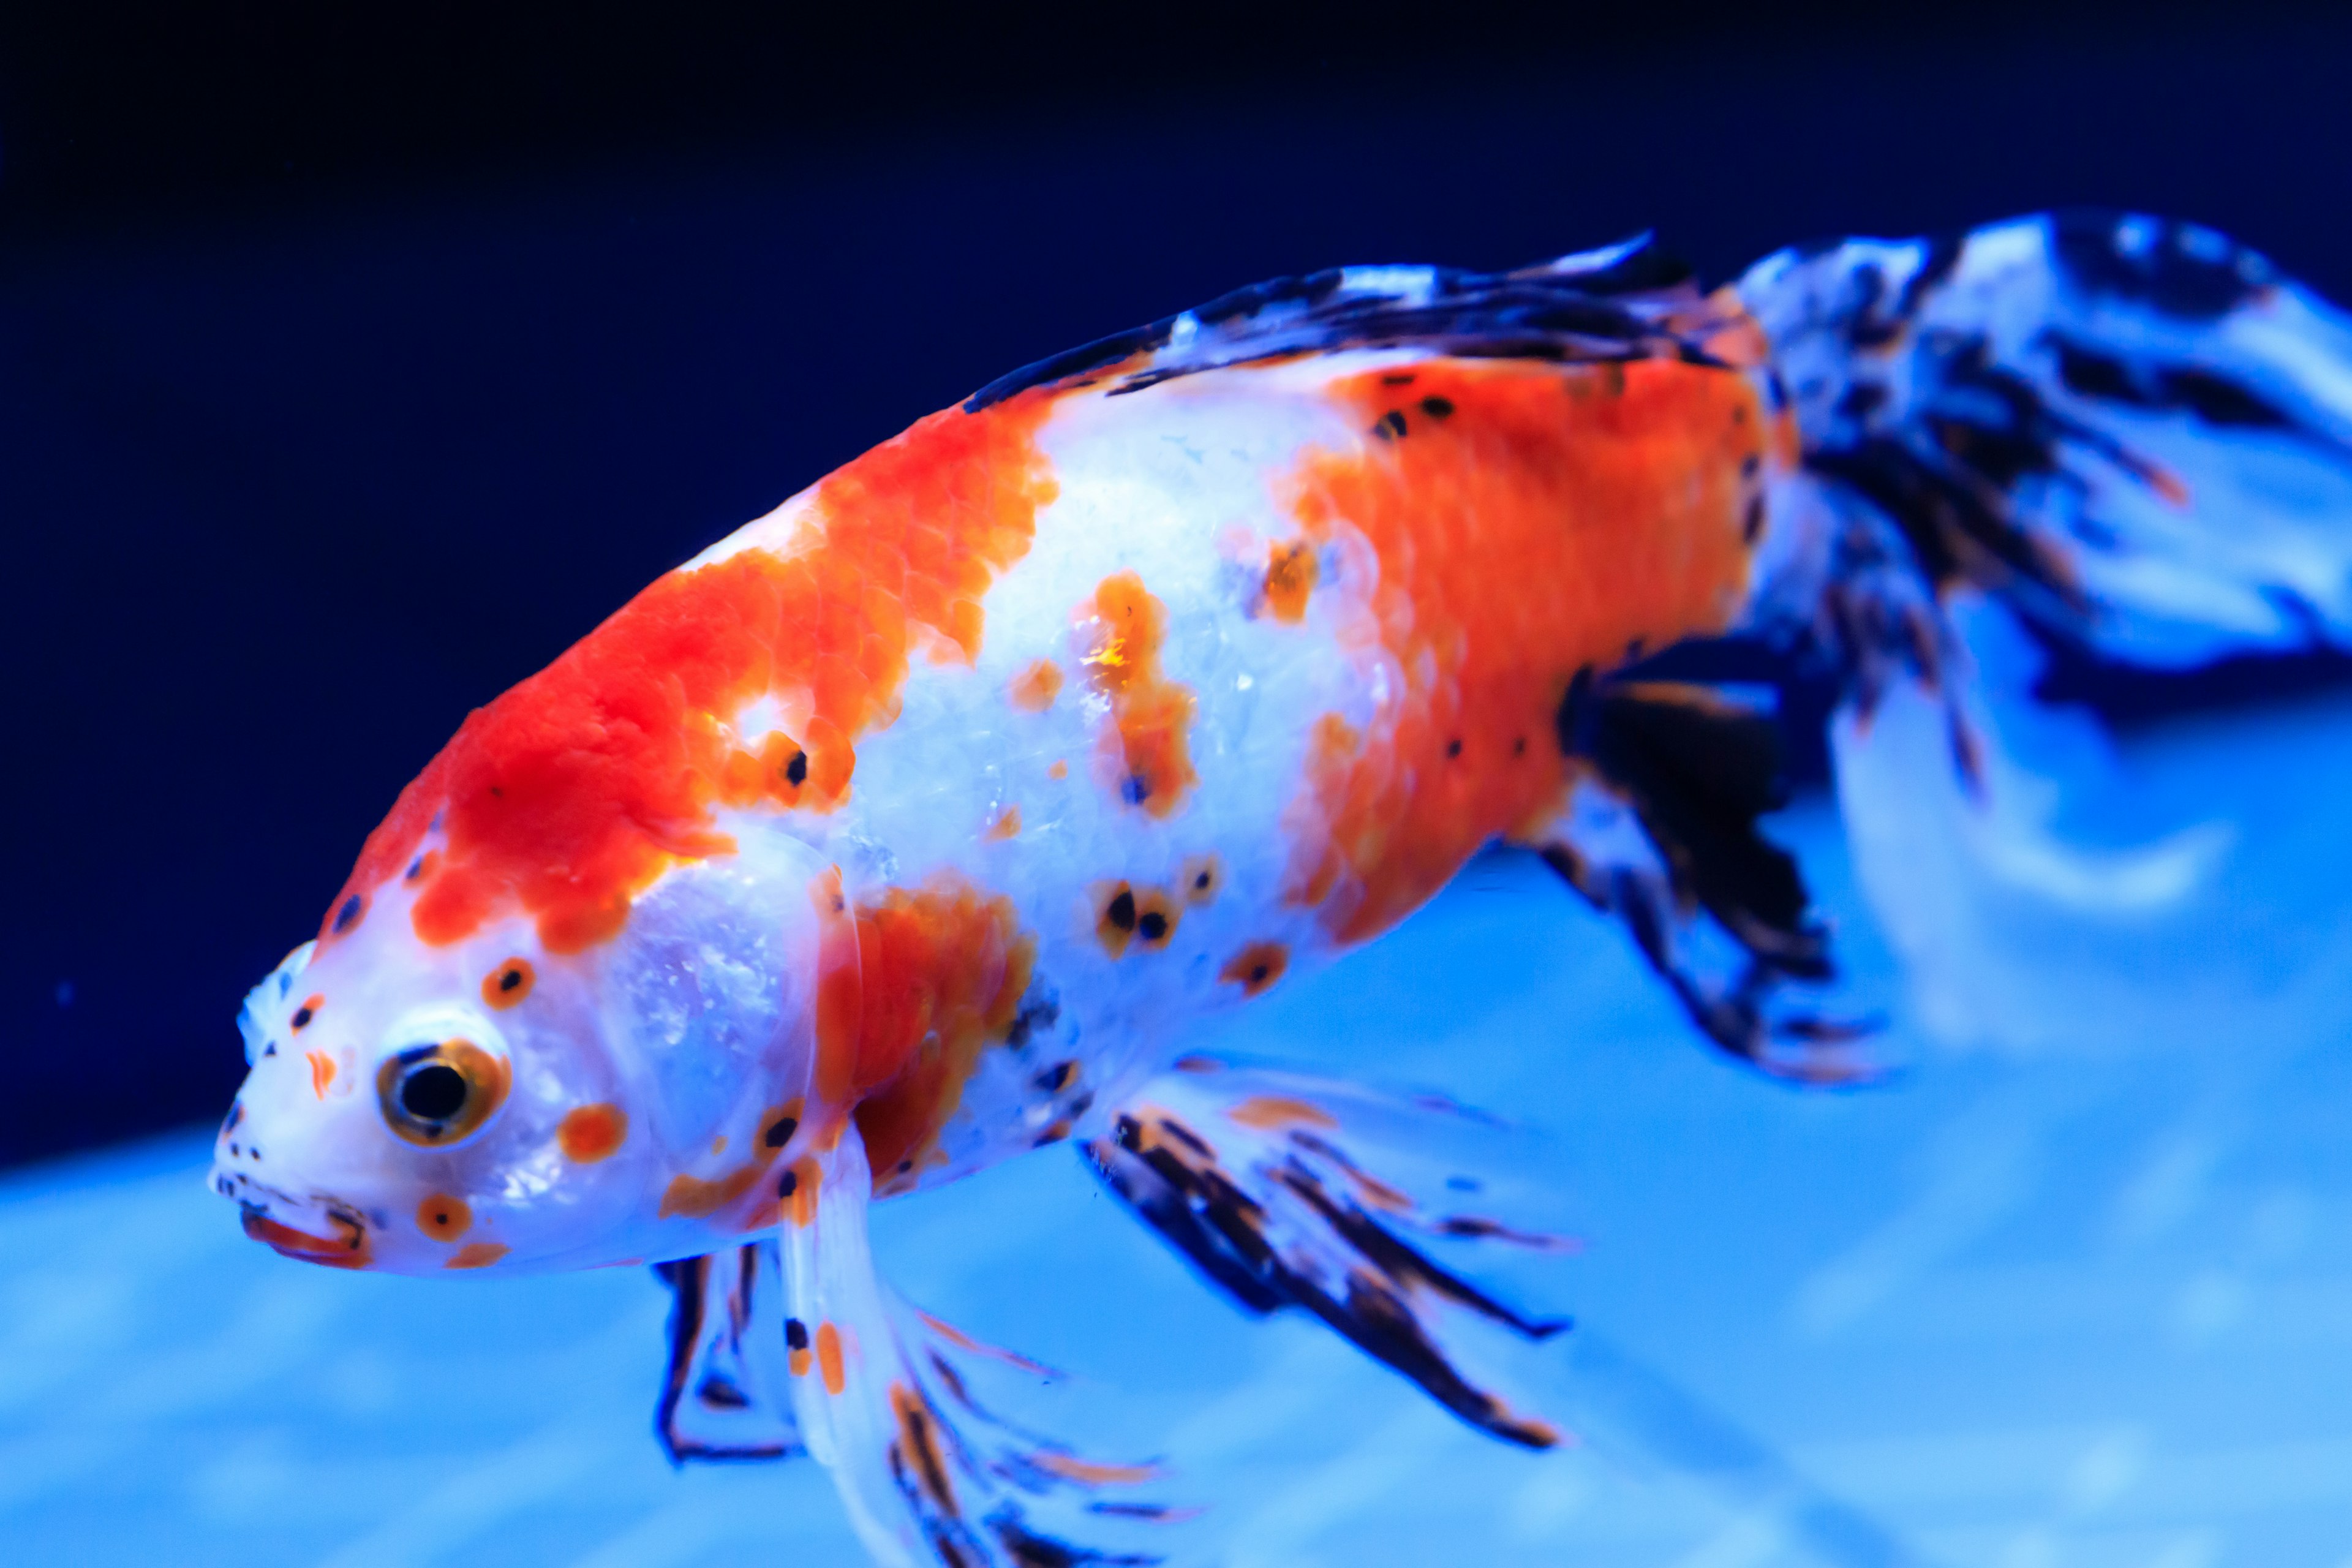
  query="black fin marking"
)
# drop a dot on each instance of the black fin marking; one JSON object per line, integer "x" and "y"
{"x": 1625, "y": 302}
{"x": 723, "y": 1395}
{"x": 1663, "y": 834}
{"x": 1282, "y": 1216}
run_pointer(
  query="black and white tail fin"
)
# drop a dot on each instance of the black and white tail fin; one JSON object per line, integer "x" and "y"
{"x": 2073, "y": 442}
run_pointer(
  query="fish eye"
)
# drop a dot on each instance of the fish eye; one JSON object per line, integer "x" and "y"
{"x": 440, "y": 1093}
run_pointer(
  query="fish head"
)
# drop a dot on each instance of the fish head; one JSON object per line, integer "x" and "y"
{"x": 488, "y": 1101}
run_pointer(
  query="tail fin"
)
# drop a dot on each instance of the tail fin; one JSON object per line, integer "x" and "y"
{"x": 2069, "y": 443}
{"x": 2134, "y": 433}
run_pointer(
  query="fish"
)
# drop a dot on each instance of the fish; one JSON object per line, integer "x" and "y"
{"x": 934, "y": 818}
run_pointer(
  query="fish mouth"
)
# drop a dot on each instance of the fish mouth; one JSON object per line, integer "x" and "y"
{"x": 347, "y": 1249}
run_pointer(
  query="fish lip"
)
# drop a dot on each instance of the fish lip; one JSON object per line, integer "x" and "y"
{"x": 347, "y": 1250}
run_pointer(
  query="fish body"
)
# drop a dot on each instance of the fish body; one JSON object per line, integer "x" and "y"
{"x": 925, "y": 821}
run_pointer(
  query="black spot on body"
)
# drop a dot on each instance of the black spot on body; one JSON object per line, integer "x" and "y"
{"x": 1437, "y": 408}
{"x": 508, "y": 979}
{"x": 796, "y": 771}
{"x": 1453, "y": 747}
{"x": 1134, "y": 789}
{"x": 787, "y": 1184}
{"x": 795, "y": 1335}
{"x": 779, "y": 1131}
{"x": 1153, "y": 927}
{"x": 1120, "y": 911}
{"x": 348, "y": 915}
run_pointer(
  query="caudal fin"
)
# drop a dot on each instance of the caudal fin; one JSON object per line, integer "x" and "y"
{"x": 2057, "y": 452}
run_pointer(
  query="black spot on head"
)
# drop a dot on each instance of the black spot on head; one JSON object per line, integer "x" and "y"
{"x": 1134, "y": 789}
{"x": 303, "y": 1016}
{"x": 349, "y": 915}
{"x": 796, "y": 771}
{"x": 779, "y": 1131}
{"x": 1437, "y": 408}
{"x": 795, "y": 1334}
{"x": 1153, "y": 927}
{"x": 1120, "y": 911}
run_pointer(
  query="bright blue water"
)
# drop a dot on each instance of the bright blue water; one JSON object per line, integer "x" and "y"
{"x": 2075, "y": 1308}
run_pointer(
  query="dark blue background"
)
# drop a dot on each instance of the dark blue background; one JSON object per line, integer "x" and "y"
{"x": 345, "y": 378}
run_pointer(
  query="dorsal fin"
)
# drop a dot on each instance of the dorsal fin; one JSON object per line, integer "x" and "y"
{"x": 1628, "y": 301}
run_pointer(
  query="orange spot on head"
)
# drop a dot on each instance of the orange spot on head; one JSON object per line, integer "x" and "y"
{"x": 443, "y": 1217}
{"x": 1290, "y": 573}
{"x": 1268, "y": 1111}
{"x": 1060, "y": 770}
{"x": 1147, "y": 751}
{"x": 509, "y": 983}
{"x": 1007, "y": 824}
{"x": 1551, "y": 518}
{"x": 1256, "y": 966}
{"x": 592, "y": 1133}
{"x": 322, "y": 1071}
{"x": 306, "y": 1012}
{"x": 477, "y": 1255}
{"x": 828, "y": 1358}
{"x": 1202, "y": 878}
{"x": 1033, "y": 689}
{"x": 568, "y": 796}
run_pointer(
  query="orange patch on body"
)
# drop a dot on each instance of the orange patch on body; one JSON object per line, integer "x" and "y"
{"x": 943, "y": 968}
{"x": 1257, "y": 967}
{"x": 1147, "y": 751}
{"x": 1554, "y": 519}
{"x": 477, "y": 1255}
{"x": 443, "y": 1218}
{"x": 1060, "y": 770}
{"x": 1290, "y": 573}
{"x": 828, "y": 1358}
{"x": 1033, "y": 689}
{"x": 322, "y": 1071}
{"x": 699, "y": 1197}
{"x": 1202, "y": 877}
{"x": 800, "y": 1361}
{"x": 1007, "y": 824}
{"x": 568, "y": 796}
{"x": 592, "y": 1133}
{"x": 1268, "y": 1111}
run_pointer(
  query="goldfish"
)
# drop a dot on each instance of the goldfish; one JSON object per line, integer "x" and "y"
{"x": 934, "y": 818}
